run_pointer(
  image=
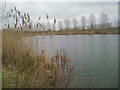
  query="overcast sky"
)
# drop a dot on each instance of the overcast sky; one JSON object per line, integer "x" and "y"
{"x": 61, "y": 0}
{"x": 66, "y": 10}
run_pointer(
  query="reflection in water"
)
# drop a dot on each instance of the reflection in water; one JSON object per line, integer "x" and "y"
{"x": 58, "y": 58}
{"x": 94, "y": 57}
{"x": 63, "y": 68}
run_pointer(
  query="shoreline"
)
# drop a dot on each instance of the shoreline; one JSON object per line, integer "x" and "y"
{"x": 105, "y": 32}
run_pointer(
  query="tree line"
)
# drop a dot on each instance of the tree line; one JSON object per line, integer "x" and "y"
{"x": 14, "y": 18}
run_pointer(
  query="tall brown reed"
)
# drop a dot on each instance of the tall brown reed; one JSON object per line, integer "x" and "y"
{"x": 23, "y": 69}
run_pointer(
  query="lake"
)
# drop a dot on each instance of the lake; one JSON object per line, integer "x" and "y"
{"x": 93, "y": 57}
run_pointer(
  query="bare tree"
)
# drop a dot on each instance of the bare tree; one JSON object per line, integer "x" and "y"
{"x": 60, "y": 25}
{"x": 2, "y": 9}
{"x": 54, "y": 20}
{"x": 75, "y": 23}
{"x": 92, "y": 21}
{"x": 67, "y": 23}
{"x": 39, "y": 26}
{"x": 115, "y": 23}
{"x": 47, "y": 17}
{"x": 109, "y": 25}
{"x": 83, "y": 22}
{"x": 48, "y": 25}
{"x": 30, "y": 25}
{"x": 43, "y": 26}
{"x": 2, "y": 13}
{"x": 103, "y": 20}
{"x": 53, "y": 27}
{"x": 54, "y": 24}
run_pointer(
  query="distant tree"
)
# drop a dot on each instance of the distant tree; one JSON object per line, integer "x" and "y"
{"x": 2, "y": 13}
{"x": 109, "y": 25}
{"x": 103, "y": 20}
{"x": 2, "y": 9}
{"x": 48, "y": 25}
{"x": 119, "y": 25}
{"x": 43, "y": 26}
{"x": 115, "y": 23}
{"x": 54, "y": 24}
{"x": 75, "y": 23}
{"x": 60, "y": 25}
{"x": 29, "y": 26}
{"x": 83, "y": 22}
{"x": 47, "y": 16}
{"x": 54, "y": 20}
{"x": 67, "y": 23}
{"x": 53, "y": 27}
{"x": 39, "y": 25}
{"x": 92, "y": 21}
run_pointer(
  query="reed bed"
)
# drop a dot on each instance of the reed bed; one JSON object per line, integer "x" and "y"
{"x": 23, "y": 69}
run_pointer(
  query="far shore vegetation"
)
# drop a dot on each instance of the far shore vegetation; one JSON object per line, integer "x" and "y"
{"x": 17, "y": 20}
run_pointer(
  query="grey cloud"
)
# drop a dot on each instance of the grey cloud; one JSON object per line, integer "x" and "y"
{"x": 62, "y": 10}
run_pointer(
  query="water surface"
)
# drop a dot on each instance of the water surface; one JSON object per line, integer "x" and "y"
{"x": 94, "y": 57}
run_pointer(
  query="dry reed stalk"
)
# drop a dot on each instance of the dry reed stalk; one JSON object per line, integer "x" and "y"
{"x": 23, "y": 69}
